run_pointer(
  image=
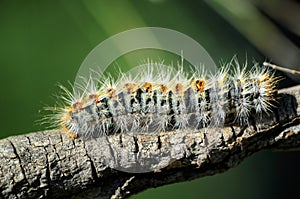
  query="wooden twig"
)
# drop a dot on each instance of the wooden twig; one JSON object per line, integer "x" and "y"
{"x": 48, "y": 164}
{"x": 283, "y": 69}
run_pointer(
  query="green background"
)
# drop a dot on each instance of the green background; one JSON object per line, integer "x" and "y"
{"x": 43, "y": 43}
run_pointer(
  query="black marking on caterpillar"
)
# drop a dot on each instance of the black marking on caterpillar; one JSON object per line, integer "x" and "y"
{"x": 151, "y": 103}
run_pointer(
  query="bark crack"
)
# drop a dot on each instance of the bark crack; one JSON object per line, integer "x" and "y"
{"x": 18, "y": 185}
{"x": 93, "y": 168}
{"x": 47, "y": 173}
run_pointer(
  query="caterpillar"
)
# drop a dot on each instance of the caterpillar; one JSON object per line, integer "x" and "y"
{"x": 154, "y": 102}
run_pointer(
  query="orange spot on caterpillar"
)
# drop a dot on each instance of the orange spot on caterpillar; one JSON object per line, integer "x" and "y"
{"x": 95, "y": 97}
{"x": 163, "y": 88}
{"x": 73, "y": 136}
{"x": 199, "y": 85}
{"x": 131, "y": 87}
{"x": 148, "y": 87}
{"x": 77, "y": 107}
{"x": 111, "y": 93}
{"x": 179, "y": 88}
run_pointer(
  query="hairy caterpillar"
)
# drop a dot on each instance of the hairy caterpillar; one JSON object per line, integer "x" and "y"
{"x": 150, "y": 103}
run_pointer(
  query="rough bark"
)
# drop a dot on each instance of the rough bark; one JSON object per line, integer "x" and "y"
{"x": 48, "y": 164}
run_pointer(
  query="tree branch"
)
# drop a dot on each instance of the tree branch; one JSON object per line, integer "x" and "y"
{"x": 48, "y": 164}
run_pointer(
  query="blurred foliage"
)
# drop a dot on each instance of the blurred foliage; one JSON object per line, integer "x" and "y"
{"x": 44, "y": 42}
